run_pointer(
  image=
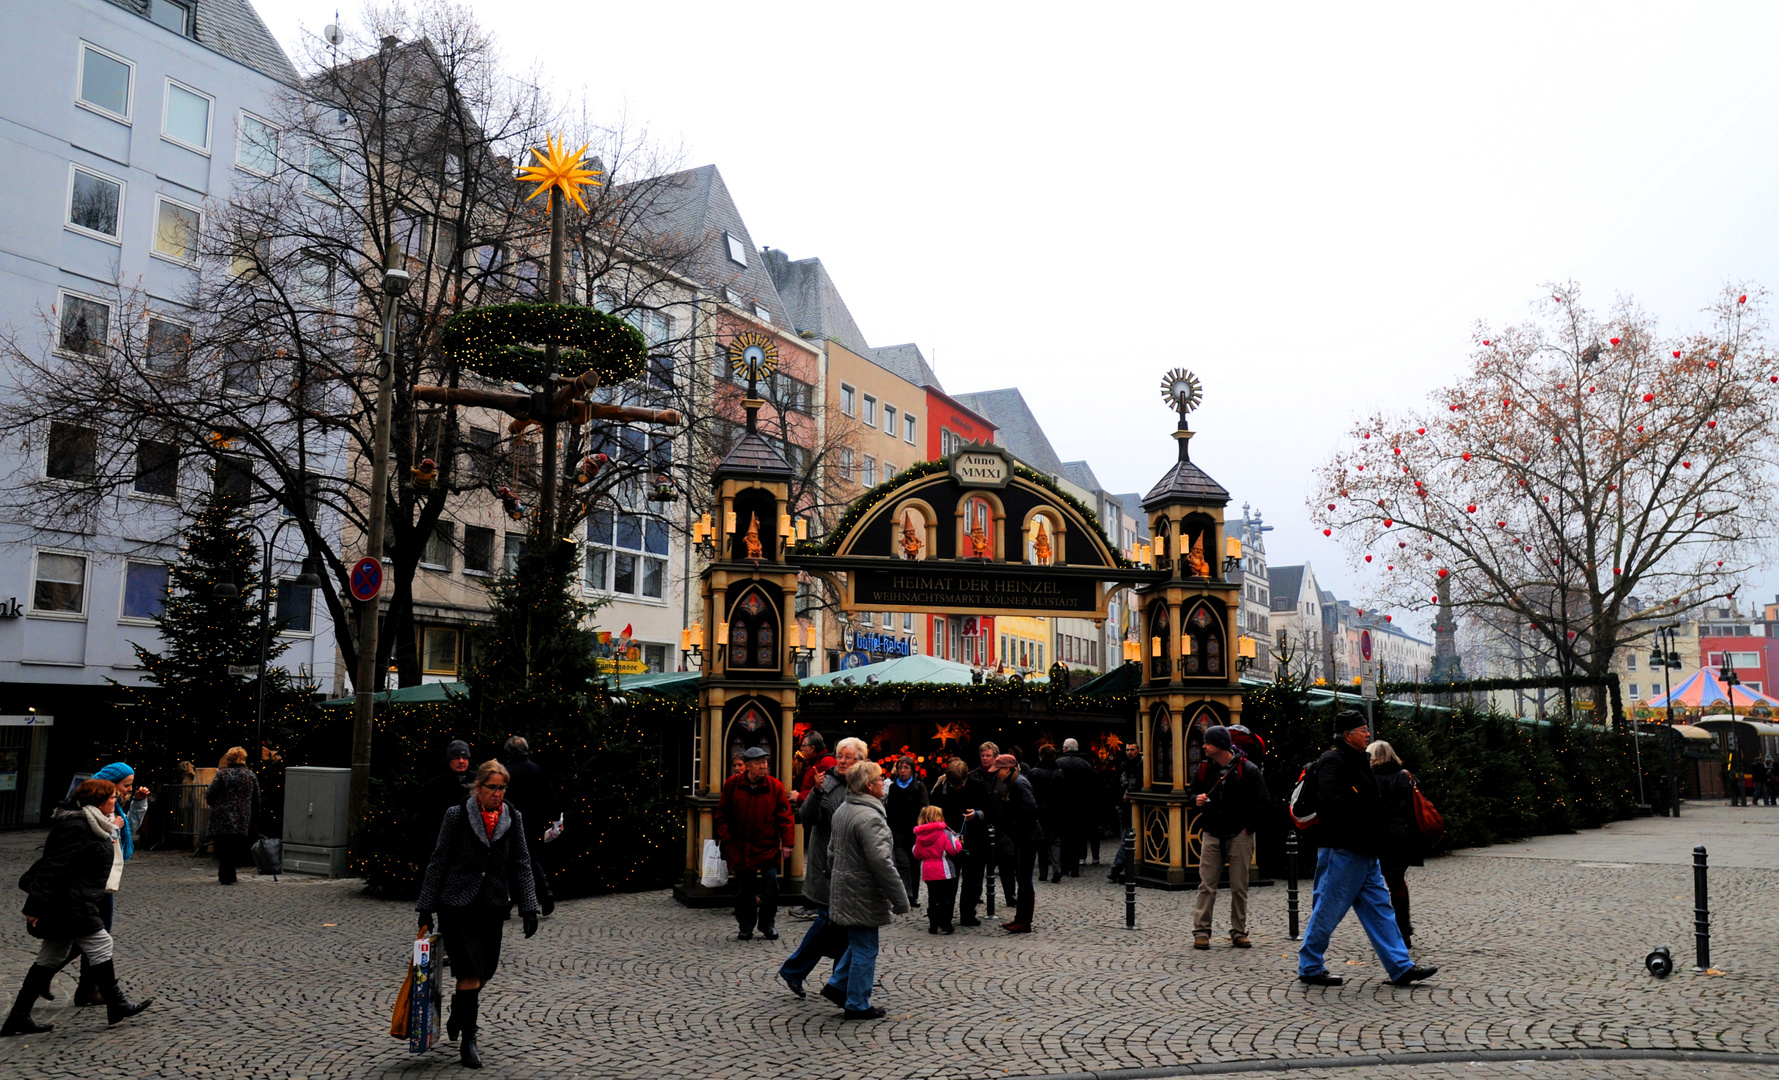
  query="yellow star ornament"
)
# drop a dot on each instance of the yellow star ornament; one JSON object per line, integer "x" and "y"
{"x": 558, "y": 169}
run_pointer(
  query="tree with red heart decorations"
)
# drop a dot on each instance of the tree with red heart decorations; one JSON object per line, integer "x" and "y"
{"x": 1624, "y": 490}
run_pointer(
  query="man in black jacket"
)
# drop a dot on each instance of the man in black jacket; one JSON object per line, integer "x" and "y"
{"x": 976, "y": 847}
{"x": 450, "y": 788}
{"x": 530, "y": 792}
{"x": 1350, "y": 827}
{"x": 1077, "y": 805}
{"x": 1230, "y": 794}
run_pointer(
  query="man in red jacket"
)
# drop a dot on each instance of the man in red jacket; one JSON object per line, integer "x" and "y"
{"x": 755, "y": 829}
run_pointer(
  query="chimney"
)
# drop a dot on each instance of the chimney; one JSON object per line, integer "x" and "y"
{"x": 390, "y": 41}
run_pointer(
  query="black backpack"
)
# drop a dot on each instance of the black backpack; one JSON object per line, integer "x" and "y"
{"x": 1302, "y": 804}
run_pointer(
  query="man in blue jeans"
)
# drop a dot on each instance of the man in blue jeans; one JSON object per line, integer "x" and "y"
{"x": 1350, "y": 827}
{"x": 816, "y": 817}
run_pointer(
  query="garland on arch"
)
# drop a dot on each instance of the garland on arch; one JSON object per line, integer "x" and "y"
{"x": 504, "y": 342}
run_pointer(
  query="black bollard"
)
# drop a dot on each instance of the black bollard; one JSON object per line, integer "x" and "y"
{"x": 1701, "y": 911}
{"x": 1291, "y": 879}
{"x": 991, "y": 871}
{"x": 1130, "y": 879}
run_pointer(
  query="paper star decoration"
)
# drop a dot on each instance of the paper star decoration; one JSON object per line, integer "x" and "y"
{"x": 558, "y": 169}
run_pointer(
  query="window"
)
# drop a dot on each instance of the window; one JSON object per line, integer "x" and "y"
{"x": 889, "y": 420}
{"x": 296, "y": 608}
{"x": 324, "y": 172}
{"x": 889, "y": 620}
{"x": 732, "y": 296}
{"x": 167, "y": 347}
{"x": 256, "y": 146}
{"x": 1634, "y": 694}
{"x": 315, "y": 281}
{"x": 187, "y": 119}
{"x": 848, "y": 404}
{"x": 737, "y": 249}
{"x": 59, "y": 584}
{"x": 73, "y": 453}
{"x": 910, "y": 430}
{"x": 438, "y": 653}
{"x": 105, "y": 82}
{"x": 240, "y": 369}
{"x": 1744, "y": 661}
{"x": 870, "y": 416}
{"x": 510, "y": 552}
{"x": 654, "y": 657}
{"x": 626, "y": 553}
{"x": 232, "y": 479}
{"x": 480, "y": 450}
{"x": 157, "y": 469}
{"x": 84, "y": 325}
{"x": 145, "y": 591}
{"x": 845, "y": 464}
{"x": 868, "y": 474}
{"x": 252, "y": 256}
{"x": 437, "y": 554}
{"x": 753, "y": 632}
{"x": 478, "y": 550}
{"x": 172, "y": 14}
{"x": 908, "y": 620}
{"x": 175, "y": 230}
{"x": 95, "y": 203}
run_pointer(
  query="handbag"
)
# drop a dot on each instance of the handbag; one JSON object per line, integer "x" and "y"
{"x": 268, "y": 856}
{"x": 715, "y": 872}
{"x": 1428, "y": 819}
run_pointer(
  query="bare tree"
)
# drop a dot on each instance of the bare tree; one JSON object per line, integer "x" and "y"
{"x": 1586, "y": 480}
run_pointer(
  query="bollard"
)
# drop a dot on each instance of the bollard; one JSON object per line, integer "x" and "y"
{"x": 991, "y": 871}
{"x": 1291, "y": 880}
{"x": 1130, "y": 879}
{"x": 1701, "y": 911}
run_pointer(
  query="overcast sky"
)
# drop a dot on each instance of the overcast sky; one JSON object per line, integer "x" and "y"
{"x": 1308, "y": 205}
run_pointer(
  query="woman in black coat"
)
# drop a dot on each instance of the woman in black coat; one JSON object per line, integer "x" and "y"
{"x": 479, "y": 868}
{"x": 66, "y": 889}
{"x": 1013, "y": 811}
{"x": 1402, "y": 837}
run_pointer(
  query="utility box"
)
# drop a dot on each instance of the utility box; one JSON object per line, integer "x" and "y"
{"x": 316, "y": 829}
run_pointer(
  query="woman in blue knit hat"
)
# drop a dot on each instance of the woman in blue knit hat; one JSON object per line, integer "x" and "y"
{"x": 132, "y": 807}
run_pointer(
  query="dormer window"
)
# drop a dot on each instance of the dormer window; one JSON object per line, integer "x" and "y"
{"x": 761, "y": 313}
{"x": 731, "y": 296}
{"x": 172, "y": 14}
{"x": 737, "y": 249}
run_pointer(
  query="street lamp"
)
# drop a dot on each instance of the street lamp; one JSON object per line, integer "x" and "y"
{"x": 226, "y": 589}
{"x": 1666, "y": 657}
{"x": 691, "y": 645}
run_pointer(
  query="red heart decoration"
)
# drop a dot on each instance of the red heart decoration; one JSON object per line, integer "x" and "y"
{"x": 1368, "y": 435}
{"x": 1466, "y": 455}
{"x": 1639, "y": 431}
{"x": 1485, "y": 341}
{"x": 1711, "y": 364}
{"x": 1676, "y": 354}
{"x": 1561, "y": 385}
{"x": 1615, "y": 341}
{"x": 1454, "y": 408}
{"x": 1776, "y": 378}
{"x": 1647, "y": 398}
{"x": 1327, "y": 532}
{"x": 1380, "y": 502}
{"x": 1571, "y": 633}
{"x": 1420, "y": 431}
{"x": 1556, "y": 438}
{"x": 1388, "y": 523}
{"x": 1528, "y": 551}
{"x": 1389, "y": 567}
{"x": 1686, "y": 464}
{"x": 1710, "y": 423}
{"x": 1720, "y": 562}
{"x": 1505, "y": 403}
{"x": 1611, "y": 487}
{"x": 1502, "y": 524}
{"x": 1398, "y": 449}
{"x": 1367, "y": 559}
{"x": 1590, "y": 389}
{"x": 1616, "y": 570}
{"x": 1433, "y": 599}
{"x": 1442, "y": 571}
{"x": 1387, "y": 618}
{"x": 1361, "y": 611}
{"x": 1330, "y": 506}
{"x": 1471, "y": 508}
{"x": 1547, "y": 498}
{"x": 1743, "y": 299}
{"x": 1343, "y": 493}
{"x": 1361, "y": 468}
{"x": 1402, "y": 543}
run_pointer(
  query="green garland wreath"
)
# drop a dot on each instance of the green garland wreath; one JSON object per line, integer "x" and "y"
{"x": 503, "y": 342}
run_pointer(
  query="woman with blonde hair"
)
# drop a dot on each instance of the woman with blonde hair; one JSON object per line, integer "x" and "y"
{"x": 232, "y": 797}
{"x": 479, "y": 869}
{"x": 866, "y": 889}
{"x": 1402, "y": 838}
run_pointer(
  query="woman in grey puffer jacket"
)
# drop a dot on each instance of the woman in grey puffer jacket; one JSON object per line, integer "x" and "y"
{"x": 865, "y": 887}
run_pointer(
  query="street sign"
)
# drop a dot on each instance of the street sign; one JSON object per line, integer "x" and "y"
{"x": 367, "y": 578}
{"x": 1368, "y": 687}
{"x": 1365, "y": 644}
{"x": 243, "y": 671}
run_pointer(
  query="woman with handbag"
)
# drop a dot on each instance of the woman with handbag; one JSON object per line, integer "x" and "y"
{"x": 1402, "y": 845}
{"x": 231, "y": 796}
{"x": 82, "y": 864}
{"x": 479, "y": 868}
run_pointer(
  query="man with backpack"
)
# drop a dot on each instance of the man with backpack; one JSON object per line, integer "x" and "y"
{"x": 1230, "y": 794}
{"x": 1350, "y": 825}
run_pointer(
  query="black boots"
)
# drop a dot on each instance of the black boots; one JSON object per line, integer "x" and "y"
{"x": 117, "y": 1007}
{"x": 463, "y": 1022}
{"x": 19, "y": 1022}
{"x": 86, "y": 993}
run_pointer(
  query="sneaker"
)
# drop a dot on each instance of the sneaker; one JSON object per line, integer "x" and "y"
{"x": 1324, "y": 979}
{"x": 835, "y": 994}
{"x": 805, "y": 913}
{"x": 1414, "y": 975}
{"x": 1201, "y": 940}
{"x": 873, "y": 1013}
{"x": 1240, "y": 941}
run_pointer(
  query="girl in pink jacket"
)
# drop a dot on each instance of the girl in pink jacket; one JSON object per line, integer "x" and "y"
{"x": 934, "y": 846}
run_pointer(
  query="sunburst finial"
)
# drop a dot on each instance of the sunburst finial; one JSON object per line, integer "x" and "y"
{"x": 555, "y": 168}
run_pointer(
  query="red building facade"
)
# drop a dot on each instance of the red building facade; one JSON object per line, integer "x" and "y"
{"x": 966, "y": 639}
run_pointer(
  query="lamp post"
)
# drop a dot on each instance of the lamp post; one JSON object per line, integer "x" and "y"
{"x": 395, "y": 286}
{"x": 226, "y": 590}
{"x": 1664, "y": 656}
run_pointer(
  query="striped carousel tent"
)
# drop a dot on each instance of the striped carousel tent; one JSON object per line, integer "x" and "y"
{"x": 1702, "y": 690}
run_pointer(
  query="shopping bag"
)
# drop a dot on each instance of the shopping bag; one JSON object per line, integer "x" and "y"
{"x": 716, "y": 871}
{"x": 423, "y": 1014}
{"x": 268, "y": 856}
{"x": 404, "y": 1006}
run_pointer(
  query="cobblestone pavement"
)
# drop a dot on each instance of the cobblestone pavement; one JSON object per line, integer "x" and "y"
{"x": 296, "y": 979}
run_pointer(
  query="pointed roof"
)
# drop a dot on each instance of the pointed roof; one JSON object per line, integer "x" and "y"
{"x": 906, "y": 362}
{"x": 1019, "y": 430}
{"x": 754, "y": 457}
{"x": 1702, "y": 689}
{"x": 234, "y": 29}
{"x": 1186, "y": 482}
{"x": 695, "y": 207}
{"x": 1081, "y": 474}
{"x": 1286, "y": 582}
{"x": 814, "y": 301}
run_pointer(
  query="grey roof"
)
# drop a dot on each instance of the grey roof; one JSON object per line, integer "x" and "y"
{"x": 234, "y": 29}
{"x": 695, "y": 206}
{"x": 1285, "y": 581}
{"x": 1081, "y": 474}
{"x": 1186, "y": 482}
{"x": 1132, "y": 503}
{"x": 754, "y": 456}
{"x": 814, "y": 301}
{"x": 1019, "y": 431}
{"x": 907, "y": 362}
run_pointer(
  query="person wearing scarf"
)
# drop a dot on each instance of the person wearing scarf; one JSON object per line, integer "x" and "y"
{"x": 132, "y": 807}
{"x": 82, "y": 863}
{"x": 905, "y": 797}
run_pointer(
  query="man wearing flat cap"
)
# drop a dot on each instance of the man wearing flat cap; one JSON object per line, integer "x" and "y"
{"x": 1350, "y": 827}
{"x": 1230, "y": 797}
{"x": 755, "y": 831}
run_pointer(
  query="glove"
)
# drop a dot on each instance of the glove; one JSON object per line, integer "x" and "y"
{"x": 425, "y": 921}
{"x": 530, "y": 919}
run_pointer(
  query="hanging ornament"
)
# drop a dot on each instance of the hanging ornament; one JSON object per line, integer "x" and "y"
{"x": 1368, "y": 558}
{"x": 1388, "y": 523}
{"x": 1617, "y": 570}
{"x": 1330, "y": 506}
{"x": 1387, "y": 618}
{"x": 1466, "y": 455}
{"x": 1471, "y": 509}
{"x": 1647, "y": 398}
{"x": 1390, "y": 567}
{"x": 1485, "y": 341}
{"x": 1710, "y": 423}
{"x": 1397, "y": 449}
{"x": 1743, "y": 299}
{"x": 1402, "y": 543}
{"x": 1720, "y": 562}
{"x": 1361, "y": 468}
{"x": 1686, "y": 464}
{"x": 1420, "y": 431}
{"x": 1615, "y": 341}
{"x": 1343, "y": 493}
{"x": 1367, "y": 435}
{"x": 1454, "y": 408}
{"x": 1502, "y": 524}
{"x": 1327, "y": 532}
{"x": 1442, "y": 571}
{"x": 1710, "y": 365}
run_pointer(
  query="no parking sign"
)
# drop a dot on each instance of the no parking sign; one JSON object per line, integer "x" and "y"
{"x": 367, "y": 579}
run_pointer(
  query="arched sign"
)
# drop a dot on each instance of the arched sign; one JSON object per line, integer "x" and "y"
{"x": 974, "y": 534}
